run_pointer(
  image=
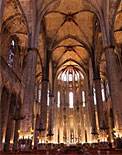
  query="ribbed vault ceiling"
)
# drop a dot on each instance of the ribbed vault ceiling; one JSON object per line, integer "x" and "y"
{"x": 69, "y": 30}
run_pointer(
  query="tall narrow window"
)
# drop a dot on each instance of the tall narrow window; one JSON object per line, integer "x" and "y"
{"x": 70, "y": 77}
{"x": 94, "y": 92}
{"x": 108, "y": 91}
{"x": 83, "y": 98}
{"x": 58, "y": 99}
{"x": 103, "y": 92}
{"x": 71, "y": 99}
{"x": 76, "y": 77}
{"x": 39, "y": 94}
{"x": 48, "y": 100}
{"x": 11, "y": 53}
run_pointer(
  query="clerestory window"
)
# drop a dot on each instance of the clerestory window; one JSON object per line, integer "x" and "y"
{"x": 11, "y": 53}
{"x": 58, "y": 99}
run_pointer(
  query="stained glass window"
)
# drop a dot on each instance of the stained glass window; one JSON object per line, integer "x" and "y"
{"x": 11, "y": 53}
{"x": 48, "y": 100}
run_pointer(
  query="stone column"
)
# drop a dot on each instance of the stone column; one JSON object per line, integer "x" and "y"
{"x": 90, "y": 113}
{"x": 1, "y": 87}
{"x": 74, "y": 122}
{"x": 50, "y": 123}
{"x": 81, "y": 113}
{"x": 36, "y": 134}
{"x": 29, "y": 93}
{"x": 115, "y": 86}
{"x": 67, "y": 112}
{"x": 16, "y": 135}
{"x": 45, "y": 81}
{"x": 44, "y": 104}
{"x": 56, "y": 126}
{"x": 106, "y": 23}
{"x": 82, "y": 124}
{"x": 90, "y": 99}
{"x": 98, "y": 97}
{"x": 2, "y": 4}
{"x": 51, "y": 98}
{"x": 4, "y": 126}
{"x": 55, "y": 113}
{"x": 75, "y": 112}
{"x": 61, "y": 112}
{"x": 9, "y": 122}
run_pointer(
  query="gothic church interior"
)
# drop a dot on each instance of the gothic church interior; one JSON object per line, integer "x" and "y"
{"x": 60, "y": 71}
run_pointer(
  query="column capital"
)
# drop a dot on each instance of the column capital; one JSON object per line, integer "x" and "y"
{"x": 109, "y": 46}
{"x": 32, "y": 49}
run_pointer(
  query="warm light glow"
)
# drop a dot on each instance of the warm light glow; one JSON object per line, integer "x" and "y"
{"x": 42, "y": 141}
{"x": 11, "y": 142}
{"x": 115, "y": 129}
{"x": 3, "y": 140}
{"x": 18, "y": 131}
{"x": 70, "y": 74}
{"x": 26, "y": 136}
{"x": 103, "y": 140}
{"x": 32, "y": 131}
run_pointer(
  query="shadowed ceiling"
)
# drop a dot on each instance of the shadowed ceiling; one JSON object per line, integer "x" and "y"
{"x": 71, "y": 30}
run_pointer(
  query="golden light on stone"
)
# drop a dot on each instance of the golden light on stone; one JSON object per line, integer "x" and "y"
{"x": 115, "y": 129}
{"x": 32, "y": 131}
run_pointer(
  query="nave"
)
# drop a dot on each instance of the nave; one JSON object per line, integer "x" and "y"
{"x": 60, "y": 75}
